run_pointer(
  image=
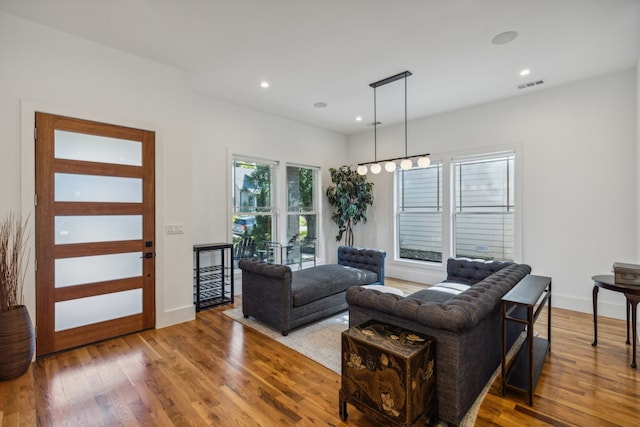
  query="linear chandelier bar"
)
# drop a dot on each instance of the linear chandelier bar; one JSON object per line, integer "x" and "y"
{"x": 394, "y": 159}
{"x": 391, "y": 79}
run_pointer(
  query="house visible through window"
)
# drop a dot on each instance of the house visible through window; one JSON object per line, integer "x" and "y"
{"x": 480, "y": 214}
{"x": 257, "y": 229}
{"x": 253, "y": 207}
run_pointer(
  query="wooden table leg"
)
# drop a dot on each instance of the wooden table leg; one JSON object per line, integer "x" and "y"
{"x": 342, "y": 407}
{"x": 628, "y": 311}
{"x": 633, "y": 302}
{"x": 595, "y": 316}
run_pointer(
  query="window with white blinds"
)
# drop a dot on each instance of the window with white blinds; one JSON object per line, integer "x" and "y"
{"x": 419, "y": 213}
{"x": 475, "y": 218}
{"x": 483, "y": 213}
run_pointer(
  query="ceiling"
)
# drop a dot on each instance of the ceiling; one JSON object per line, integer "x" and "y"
{"x": 330, "y": 50}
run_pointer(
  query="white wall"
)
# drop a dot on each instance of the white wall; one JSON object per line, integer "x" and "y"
{"x": 220, "y": 130}
{"x": 46, "y": 70}
{"x": 638, "y": 165}
{"x": 577, "y": 147}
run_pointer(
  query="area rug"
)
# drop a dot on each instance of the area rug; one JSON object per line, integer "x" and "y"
{"x": 321, "y": 341}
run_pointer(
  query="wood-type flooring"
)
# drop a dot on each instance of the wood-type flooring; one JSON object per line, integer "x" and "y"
{"x": 214, "y": 372}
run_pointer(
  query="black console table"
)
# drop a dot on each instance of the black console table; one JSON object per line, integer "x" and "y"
{"x": 523, "y": 371}
{"x": 213, "y": 280}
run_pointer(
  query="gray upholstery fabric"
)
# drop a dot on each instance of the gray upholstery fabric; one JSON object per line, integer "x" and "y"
{"x": 284, "y": 300}
{"x": 441, "y": 292}
{"x": 364, "y": 259}
{"x": 471, "y": 271}
{"x": 467, "y": 328}
{"x": 325, "y": 280}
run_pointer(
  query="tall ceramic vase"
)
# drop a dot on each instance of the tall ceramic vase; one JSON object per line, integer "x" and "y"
{"x": 16, "y": 342}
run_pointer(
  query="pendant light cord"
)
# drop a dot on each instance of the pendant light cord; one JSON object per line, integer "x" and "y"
{"x": 375, "y": 127}
{"x": 405, "y": 115}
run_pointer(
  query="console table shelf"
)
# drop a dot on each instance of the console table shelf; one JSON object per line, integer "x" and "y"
{"x": 518, "y": 374}
{"x": 213, "y": 279}
{"x": 523, "y": 371}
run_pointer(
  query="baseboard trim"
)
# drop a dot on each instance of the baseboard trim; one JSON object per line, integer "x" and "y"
{"x": 175, "y": 316}
{"x": 585, "y": 305}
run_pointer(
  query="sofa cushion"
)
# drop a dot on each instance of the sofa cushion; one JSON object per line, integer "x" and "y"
{"x": 441, "y": 292}
{"x": 318, "y": 282}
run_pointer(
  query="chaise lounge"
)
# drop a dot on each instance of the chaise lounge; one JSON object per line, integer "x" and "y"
{"x": 285, "y": 300}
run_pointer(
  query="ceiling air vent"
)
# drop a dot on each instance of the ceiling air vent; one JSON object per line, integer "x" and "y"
{"x": 530, "y": 84}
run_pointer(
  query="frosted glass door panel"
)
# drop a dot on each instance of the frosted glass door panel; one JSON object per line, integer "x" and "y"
{"x": 92, "y": 148}
{"x": 99, "y": 308}
{"x": 97, "y": 268}
{"x": 94, "y": 188}
{"x": 97, "y": 228}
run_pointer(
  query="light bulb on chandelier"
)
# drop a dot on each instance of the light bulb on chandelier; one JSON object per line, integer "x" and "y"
{"x": 424, "y": 162}
{"x": 376, "y": 168}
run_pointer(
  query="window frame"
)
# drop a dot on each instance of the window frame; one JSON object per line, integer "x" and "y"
{"x": 236, "y": 211}
{"x": 448, "y": 242}
{"x": 401, "y": 210}
{"x": 459, "y": 209}
{"x": 315, "y": 200}
{"x": 279, "y": 199}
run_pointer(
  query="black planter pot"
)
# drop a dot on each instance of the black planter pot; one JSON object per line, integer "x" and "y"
{"x": 16, "y": 342}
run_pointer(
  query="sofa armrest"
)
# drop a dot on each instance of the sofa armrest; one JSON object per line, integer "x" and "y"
{"x": 266, "y": 293}
{"x": 363, "y": 258}
{"x": 275, "y": 271}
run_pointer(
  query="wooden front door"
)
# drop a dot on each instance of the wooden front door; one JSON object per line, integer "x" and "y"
{"x": 95, "y": 232}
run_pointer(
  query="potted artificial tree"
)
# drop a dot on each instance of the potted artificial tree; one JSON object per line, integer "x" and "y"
{"x": 16, "y": 329}
{"x": 351, "y": 194}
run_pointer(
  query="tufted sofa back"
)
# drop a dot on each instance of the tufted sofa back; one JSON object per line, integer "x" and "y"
{"x": 366, "y": 259}
{"x": 472, "y": 271}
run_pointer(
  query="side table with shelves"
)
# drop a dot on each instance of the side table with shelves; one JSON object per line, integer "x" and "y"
{"x": 522, "y": 372}
{"x": 213, "y": 278}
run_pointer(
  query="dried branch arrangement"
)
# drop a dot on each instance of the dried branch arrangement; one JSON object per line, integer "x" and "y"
{"x": 13, "y": 239}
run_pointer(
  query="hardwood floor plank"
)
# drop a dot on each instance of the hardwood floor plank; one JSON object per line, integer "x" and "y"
{"x": 214, "y": 371}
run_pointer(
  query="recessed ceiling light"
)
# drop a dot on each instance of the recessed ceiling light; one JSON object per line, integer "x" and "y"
{"x": 525, "y": 72}
{"x": 264, "y": 84}
{"x": 320, "y": 105}
{"x": 505, "y": 37}
{"x": 359, "y": 119}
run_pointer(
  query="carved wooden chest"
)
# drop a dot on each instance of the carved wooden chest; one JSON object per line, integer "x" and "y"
{"x": 389, "y": 373}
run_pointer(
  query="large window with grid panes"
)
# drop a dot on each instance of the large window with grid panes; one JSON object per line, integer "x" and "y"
{"x": 479, "y": 215}
{"x": 254, "y": 212}
{"x": 257, "y": 228}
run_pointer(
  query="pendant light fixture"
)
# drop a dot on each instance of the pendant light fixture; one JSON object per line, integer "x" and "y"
{"x": 390, "y": 165}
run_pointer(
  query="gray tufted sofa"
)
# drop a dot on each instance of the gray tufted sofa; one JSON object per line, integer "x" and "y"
{"x": 463, "y": 314}
{"x": 285, "y": 300}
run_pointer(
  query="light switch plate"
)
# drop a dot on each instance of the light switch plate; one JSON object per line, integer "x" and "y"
{"x": 174, "y": 229}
